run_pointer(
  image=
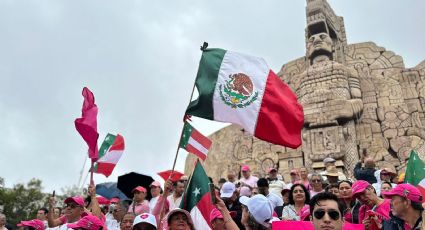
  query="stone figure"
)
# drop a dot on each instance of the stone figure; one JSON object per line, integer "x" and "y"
{"x": 358, "y": 99}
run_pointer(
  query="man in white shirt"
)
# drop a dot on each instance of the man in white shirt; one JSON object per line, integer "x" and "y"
{"x": 120, "y": 209}
{"x": 176, "y": 198}
{"x": 275, "y": 185}
{"x": 263, "y": 188}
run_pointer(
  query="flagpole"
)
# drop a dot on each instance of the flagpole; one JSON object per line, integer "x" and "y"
{"x": 203, "y": 47}
{"x": 91, "y": 172}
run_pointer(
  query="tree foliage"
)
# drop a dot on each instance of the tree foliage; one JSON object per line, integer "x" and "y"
{"x": 22, "y": 201}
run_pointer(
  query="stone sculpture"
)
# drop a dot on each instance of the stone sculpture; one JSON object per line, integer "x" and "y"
{"x": 358, "y": 99}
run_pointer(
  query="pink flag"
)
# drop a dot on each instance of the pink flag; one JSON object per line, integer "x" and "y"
{"x": 87, "y": 124}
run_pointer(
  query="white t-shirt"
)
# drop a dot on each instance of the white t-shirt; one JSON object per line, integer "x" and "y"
{"x": 276, "y": 187}
{"x": 152, "y": 203}
{"x": 174, "y": 203}
{"x": 274, "y": 199}
{"x": 112, "y": 224}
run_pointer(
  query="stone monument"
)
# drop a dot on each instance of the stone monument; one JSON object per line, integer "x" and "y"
{"x": 358, "y": 99}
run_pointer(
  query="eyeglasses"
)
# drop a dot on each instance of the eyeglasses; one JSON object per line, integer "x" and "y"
{"x": 320, "y": 213}
{"x": 316, "y": 181}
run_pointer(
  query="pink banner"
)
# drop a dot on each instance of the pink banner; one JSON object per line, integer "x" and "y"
{"x": 306, "y": 225}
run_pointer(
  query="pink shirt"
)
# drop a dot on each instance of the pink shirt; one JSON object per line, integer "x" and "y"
{"x": 383, "y": 210}
{"x": 251, "y": 181}
{"x": 140, "y": 208}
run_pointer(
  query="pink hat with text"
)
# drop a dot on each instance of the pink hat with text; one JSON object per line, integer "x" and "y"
{"x": 407, "y": 191}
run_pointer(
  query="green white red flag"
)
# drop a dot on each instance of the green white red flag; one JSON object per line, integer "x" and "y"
{"x": 242, "y": 90}
{"x": 415, "y": 172}
{"x": 110, "y": 153}
{"x": 194, "y": 142}
{"x": 197, "y": 199}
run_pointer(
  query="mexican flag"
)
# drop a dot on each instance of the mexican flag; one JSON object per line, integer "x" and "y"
{"x": 197, "y": 198}
{"x": 110, "y": 153}
{"x": 415, "y": 172}
{"x": 194, "y": 142}
{"x": 241, "y": 89}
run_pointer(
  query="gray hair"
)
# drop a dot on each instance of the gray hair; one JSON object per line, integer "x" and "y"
{"x": 316, "y": 175}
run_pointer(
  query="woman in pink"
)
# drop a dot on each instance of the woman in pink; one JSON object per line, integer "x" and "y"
{"x": 371, "y": 203}
{"x": 316, "y": 182}
{"x": 304, "y": 178}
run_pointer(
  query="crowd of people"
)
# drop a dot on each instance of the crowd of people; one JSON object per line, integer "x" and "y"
{"x": 373, "y": 198}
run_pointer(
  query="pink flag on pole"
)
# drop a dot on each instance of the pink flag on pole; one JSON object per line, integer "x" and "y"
{"x": 87, "y": 124}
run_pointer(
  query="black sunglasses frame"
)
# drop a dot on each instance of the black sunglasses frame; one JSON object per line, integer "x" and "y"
{"x": 333, "y": 214}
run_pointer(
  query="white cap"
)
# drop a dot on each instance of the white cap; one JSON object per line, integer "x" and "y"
{"x": 227, "y": 190}
{"x": 145, "y": 218}
{"x": 259, "y": 207}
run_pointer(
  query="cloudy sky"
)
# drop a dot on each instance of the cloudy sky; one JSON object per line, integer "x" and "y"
{"x": 140, "y": 60}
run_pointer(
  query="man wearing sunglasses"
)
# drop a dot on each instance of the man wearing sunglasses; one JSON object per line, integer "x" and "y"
{"x": 74, "y": 208}
{"x": 326, "y": 212}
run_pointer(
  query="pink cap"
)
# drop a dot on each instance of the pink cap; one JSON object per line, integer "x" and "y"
{"x": 245, "y": 168}
{"x": 155, "y": 183}
{"x": 359, "y": 187}
{"x": 88, "y": 222}
{"x": 405, "y": 190}
{"x": 215, "y": 214}
{"x": 294, "y": 171}
{"x": 139, "y": 189}
{"x": 271, "y": 169}
{"x": 245, "y": 191}
{"x": 115, "y": 200}
{"x": 36, "y": 224}
{"x": 76, "y": 199}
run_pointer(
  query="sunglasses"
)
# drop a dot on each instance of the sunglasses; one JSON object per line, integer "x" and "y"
{"x": 315, "y": 181}
{"x": 333, "y": 214}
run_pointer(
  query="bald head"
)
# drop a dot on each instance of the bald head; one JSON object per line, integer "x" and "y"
{"x": 369, "y": 162}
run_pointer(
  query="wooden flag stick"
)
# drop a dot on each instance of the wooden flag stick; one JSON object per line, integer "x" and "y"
{"x": 91, "y": 172}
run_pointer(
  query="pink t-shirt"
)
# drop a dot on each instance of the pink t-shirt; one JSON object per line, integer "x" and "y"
{"x": 251, "y": 181}
{"x": 383, "y": 210}
{"x": 140, "y": 208}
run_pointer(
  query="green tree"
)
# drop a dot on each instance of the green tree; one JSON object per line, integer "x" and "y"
{"x": 22, "y": 201}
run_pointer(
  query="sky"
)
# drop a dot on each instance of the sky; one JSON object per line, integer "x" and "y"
{"x": 140, "y": 60}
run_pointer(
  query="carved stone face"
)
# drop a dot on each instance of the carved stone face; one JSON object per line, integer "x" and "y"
{"x": 320, "y": 44}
